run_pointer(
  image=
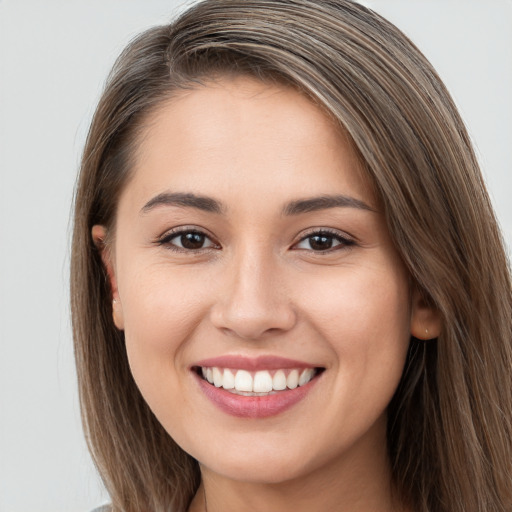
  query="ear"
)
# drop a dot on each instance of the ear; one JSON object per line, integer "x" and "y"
{"x": 426, "y": 322}
{"x": 99, "y": 235}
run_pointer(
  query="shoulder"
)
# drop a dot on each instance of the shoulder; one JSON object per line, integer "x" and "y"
{"x": 103, "y": 508}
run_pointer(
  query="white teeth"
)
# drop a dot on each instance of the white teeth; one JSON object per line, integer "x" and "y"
{"x": 259, "y": 382}
{"x": 243, "y": 381}
{"x": 229, "y": 379}
{"x": 279, "y": 381}
{"x": 306, "y": 376}
{"x": 217, "y": 377}
{"x": 262, "y": 382}
{"x": 292, "y": 381}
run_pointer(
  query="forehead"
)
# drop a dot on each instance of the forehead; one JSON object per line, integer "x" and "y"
{"x": 242, "y": 134}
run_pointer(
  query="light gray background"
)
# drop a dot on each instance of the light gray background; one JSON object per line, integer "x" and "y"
{"x": 54, "y": 57}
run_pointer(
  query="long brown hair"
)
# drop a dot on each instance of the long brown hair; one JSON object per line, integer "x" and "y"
{"x": 450, "y": 421}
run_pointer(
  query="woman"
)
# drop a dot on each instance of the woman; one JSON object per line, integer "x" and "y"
{"x": 289, "y": 290}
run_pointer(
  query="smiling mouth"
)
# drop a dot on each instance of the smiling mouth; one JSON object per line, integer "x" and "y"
{"x": 257, "y": 383}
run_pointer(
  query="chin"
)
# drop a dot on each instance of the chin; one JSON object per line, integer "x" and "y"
{"x": 260, "y": 463}
{"x": 262, "y": 471}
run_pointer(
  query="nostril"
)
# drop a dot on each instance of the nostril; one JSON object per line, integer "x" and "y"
{"x": 255, "y": 327}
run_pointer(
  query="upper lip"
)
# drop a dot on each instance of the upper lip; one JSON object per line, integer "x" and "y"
{"x": 265, "y": 362}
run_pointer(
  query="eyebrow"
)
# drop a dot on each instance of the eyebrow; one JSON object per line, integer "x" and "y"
{"x": 323, "y": 203}
{"x": 187, "y": 200}
{"x": 208, "y": 204}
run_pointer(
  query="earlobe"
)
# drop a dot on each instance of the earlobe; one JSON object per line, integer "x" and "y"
{"x": 99, "y": 235}
{"x": 117, "y": 314}
{"x": 426, "y": 320}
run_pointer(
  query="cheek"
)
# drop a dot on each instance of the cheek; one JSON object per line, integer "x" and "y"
{"x": 161, "y": 312}
{"x": 364, "y": 317}
{"x": 161, "y": 307}
{"x": 361, "y": 302}
{"x": 365, "y": 322}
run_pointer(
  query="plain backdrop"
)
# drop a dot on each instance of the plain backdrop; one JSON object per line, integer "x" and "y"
{"x": 54, "y": 57}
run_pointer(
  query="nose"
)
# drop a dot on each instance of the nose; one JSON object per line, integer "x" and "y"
{"x": 253, "y": 301}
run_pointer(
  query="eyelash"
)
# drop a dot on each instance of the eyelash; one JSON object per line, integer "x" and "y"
{"x": 344, "y": 241}
{"x": 166, "y": 240}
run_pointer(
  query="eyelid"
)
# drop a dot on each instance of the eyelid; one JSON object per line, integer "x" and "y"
{"x": 344, "y": 238}
{"x": 164, "y": 240}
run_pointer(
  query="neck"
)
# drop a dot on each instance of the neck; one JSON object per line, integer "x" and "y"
{"x": 357, "y": 482}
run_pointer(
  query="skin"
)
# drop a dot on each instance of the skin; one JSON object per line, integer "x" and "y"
{"x": 257, "y": 287}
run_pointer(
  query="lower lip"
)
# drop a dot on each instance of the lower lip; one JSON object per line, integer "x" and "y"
{"x": 255, "y": 406}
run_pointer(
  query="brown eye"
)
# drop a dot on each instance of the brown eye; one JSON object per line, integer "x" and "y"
{"x": 187, "y": 241}
{"x": 323, "y": 242}
{"x": 320, "y": 242}
{"x": 191, "y": 240}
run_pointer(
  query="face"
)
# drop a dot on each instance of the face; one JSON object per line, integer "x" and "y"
{"x": 266, "y": 312}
